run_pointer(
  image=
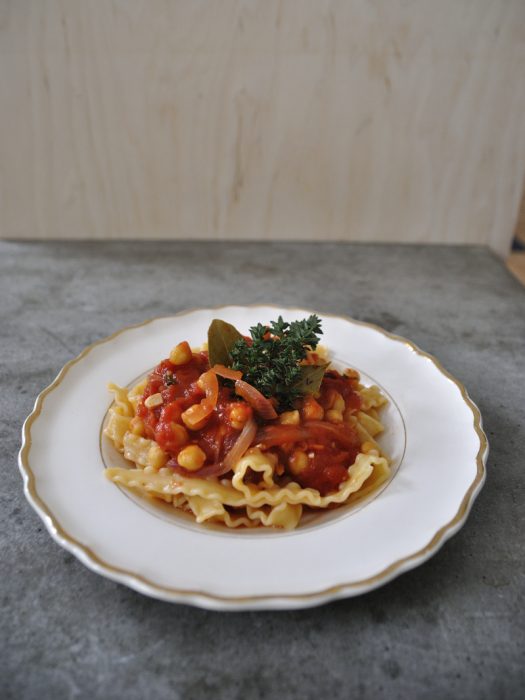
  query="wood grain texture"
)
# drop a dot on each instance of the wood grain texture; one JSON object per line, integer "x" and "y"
{"x": 391, "y": 120}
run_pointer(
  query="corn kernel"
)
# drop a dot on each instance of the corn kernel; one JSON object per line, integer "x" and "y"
{"x": 157, "y": 458}
{"x": 290, "y": 418}
{"x": 195, "y": 417}
{"x": 334, "y": 416}
{"x": 153, "y": 400}
{"x": 181, "y": 354}
{"x": 191, "y": 458}
{"x": 298, "y": 462}
{"x": 136, "y": 426}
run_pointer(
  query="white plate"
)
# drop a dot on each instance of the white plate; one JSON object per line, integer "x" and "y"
{"x": 433, "y": 437}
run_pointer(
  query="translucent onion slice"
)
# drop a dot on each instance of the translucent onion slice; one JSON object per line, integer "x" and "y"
{"x": 344, "y": 433}
{"x": 257, "y": 401}
{"x": 273, "y": 435}
{"x": 242, "y": 443}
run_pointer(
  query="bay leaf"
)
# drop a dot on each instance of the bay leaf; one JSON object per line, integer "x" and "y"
{"x": 311, "y": 377}
{"x": 221, "y": 338}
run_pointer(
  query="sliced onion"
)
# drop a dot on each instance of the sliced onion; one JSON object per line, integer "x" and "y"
{"x": 226, "y": 372}
{"x": 343, "y": 434}
{"x": 257, "y": 401}
{"x": 273, "y": 435}
{"x": 242, "y": 444}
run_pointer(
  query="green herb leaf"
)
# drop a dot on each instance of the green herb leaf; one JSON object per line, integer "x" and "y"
{"x": 222, "y": 337}
{"x": 271, "y": 362}
{"x": 311, "y": 378}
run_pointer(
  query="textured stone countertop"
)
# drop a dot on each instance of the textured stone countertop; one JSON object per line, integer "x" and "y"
{"x": 452, "y": 628}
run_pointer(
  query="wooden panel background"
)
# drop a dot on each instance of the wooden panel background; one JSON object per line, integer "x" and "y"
{"x": 396, "y": 120}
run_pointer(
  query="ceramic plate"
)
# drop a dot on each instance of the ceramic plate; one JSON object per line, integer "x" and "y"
{"x": 433, "y": 437}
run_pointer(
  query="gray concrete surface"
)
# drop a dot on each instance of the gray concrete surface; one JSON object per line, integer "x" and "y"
{"x": 453, "y": 628}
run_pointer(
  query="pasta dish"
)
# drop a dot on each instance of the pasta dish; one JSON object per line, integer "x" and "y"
{"x": 250, "y": 431}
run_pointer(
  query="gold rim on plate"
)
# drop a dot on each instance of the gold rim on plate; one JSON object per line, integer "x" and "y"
{"x": 141, "y": 583}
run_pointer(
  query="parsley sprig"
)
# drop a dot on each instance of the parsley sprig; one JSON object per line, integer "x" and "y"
{"x": 271, "y": 362}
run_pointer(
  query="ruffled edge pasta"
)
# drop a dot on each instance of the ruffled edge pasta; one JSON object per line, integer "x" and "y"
{"x": 236, "y": 502}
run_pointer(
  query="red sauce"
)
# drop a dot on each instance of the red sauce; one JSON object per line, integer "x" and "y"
{"x": 179, "y": 390}
{"x": 333, "y": 381}
{"x": 327, "y": 468}
{"x": 330, "y": 448}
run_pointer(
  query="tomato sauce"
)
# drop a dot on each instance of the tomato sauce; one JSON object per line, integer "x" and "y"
{"x": 332, "y": 382}
{"x": 327, "y": 468}
{"x": 179, "y": 390}
{"x": 330, "y": 448}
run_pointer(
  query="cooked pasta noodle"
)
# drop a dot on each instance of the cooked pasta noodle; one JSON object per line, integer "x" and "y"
{"x": 276, "y": 478}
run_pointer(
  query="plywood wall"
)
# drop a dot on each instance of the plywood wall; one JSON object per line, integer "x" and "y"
{"x": 396, "y": 120}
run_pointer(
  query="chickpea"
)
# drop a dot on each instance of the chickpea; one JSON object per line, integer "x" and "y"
{"x": 191, "y": 458}
{"x": 312, "y": 409}
{"x": 290, "y": 418}
{"x": 181, "y": 354}
{"x": 298, "y": 462}
{"x": 239, "y": 415}
{"x": 334, "y": 416}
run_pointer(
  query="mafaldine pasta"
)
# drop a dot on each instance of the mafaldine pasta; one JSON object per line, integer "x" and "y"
{"x": 256, "y": 440}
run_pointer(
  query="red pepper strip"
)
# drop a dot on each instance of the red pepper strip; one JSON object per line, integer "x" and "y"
{"x": 210, "y": 385}
{"x": 320, "y": 431}
{"x": 226, "y": 372}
